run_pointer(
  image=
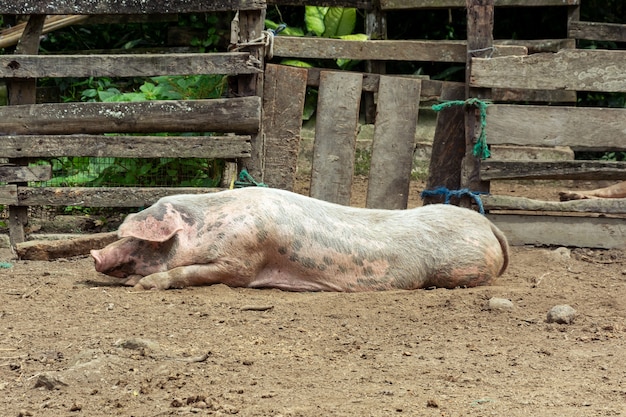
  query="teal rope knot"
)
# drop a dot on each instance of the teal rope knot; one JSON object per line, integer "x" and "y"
{"x": 475, "y": 195}
{"x": 246, "y": 180}
{"x": 480, "y": 148}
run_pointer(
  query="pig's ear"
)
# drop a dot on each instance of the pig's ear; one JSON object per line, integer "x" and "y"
{"x": 145, "y": 226}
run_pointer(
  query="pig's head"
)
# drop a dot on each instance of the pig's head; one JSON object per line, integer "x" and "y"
{"x": 132, "y": 256}
{"x": 147, "y": 243}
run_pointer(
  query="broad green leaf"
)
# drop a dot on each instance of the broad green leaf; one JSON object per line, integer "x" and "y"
{"x": 296, "y": 63}
{"x": 339, "y": 21}
{"x": 355, "y": 37}
{"x": 314, "y": 19}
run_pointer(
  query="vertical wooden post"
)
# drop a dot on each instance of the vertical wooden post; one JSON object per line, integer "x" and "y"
{"x": 23, "y": 91}
{"x": 573, "y": 15}
{"x": 283, "y": 103}
{"x": 479, "y": 44}
{"x": 448, "y": 151}
{"x": 250, "y": 28}
{"x": 394, "y": 142}
{"x": 334, "y": 147}
{"x": 375, "y": 28}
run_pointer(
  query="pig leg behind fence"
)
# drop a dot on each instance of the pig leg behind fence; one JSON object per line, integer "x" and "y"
{"x": 614, "y": 191}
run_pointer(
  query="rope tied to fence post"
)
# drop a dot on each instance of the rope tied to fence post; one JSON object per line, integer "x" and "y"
{"x": 246, "y": 180}
{"x": 266, "y": 39}
{"x": 474, "y": 195}
{"x": 480, "y": 150}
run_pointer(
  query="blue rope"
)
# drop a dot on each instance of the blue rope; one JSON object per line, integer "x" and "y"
{"x": 480, "y": 148}
{"x": 456, "y": 193}
{"x": 246, "y": 180}
{"x": 279, "y": 28}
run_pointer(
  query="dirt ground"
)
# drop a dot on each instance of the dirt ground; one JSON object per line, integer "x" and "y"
{"x": 73, "y": 342}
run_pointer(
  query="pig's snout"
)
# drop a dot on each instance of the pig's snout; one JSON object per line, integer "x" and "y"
{"x": 102, "y": 266}
{"x": 95, "y": 254}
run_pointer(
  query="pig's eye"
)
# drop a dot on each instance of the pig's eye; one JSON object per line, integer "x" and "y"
{"x": 123, "y": 270}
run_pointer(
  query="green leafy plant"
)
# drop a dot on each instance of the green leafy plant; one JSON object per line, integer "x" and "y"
{"x": 187, "y": 172}
{"x": 326, "y": 22}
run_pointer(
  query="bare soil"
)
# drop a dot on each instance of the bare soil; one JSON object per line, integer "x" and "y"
{"x": 73, "y": 342}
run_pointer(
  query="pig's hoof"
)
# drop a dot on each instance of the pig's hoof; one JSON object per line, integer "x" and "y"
{"x": 158, "y": 281}
{"x": 145, "y": 286}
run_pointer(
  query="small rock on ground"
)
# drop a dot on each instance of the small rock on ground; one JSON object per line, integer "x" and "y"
{"x": 562, "y": 314}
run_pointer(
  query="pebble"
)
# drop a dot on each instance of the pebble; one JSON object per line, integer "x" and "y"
{"x": 562, "y": 314}
{"x": 500, "y": 304}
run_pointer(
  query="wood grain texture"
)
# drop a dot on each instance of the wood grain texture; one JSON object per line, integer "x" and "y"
{"x": 438, "y": 4}
{"x": 123, "y": 65}
{"x": 94, "y": 7}
{"x": 18, "y": 173}
{"x": 597, "y": 31}
{"x": 23, "y": 92}
{"x": 335, "y": 136}
{"x": 92, "y": 196}
{"x": 596, "y": 205}
{"x": 448, "y": 149}
{"x": 575, "y": 70}
{"x": 326, "y": 48}
{"x": 588, "y": 232}
{"x": 552, "y": 170}
{"x": 394, "y": 142}
{"x": 581, "y": 128}
{"x": 237, "y": 115}
{"x": 44, "y": 146}
{"x": 283, "y": 104}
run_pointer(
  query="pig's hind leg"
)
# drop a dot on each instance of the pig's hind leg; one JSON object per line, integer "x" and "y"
{"x": 191, "y": 275}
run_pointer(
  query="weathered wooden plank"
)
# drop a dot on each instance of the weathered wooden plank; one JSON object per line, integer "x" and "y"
{"x": 438, "y": 4}
{"x": 448, "y": 149}
{"x": 359, "y": 4}
{"x": 46, "y": 250}
{"x": 93, "y": 7}
{"x": 123, "y": 65}
{"x": 247, "y": 27}
{"x": 577, "y": 70}
{"x": 41, "y": 146}
{"x": 8, "y": 195}
{"x": 590, "y": 232}
{"x": 23, "y": 92}
{"x": 238, "y": 115}
{"x": 20, "y": 173}
{"x": 597, "y": 31}
{"x": 552, "y": 170}
{"x": 394, "y": 142}
{"x": 581, "y": 128}
{"x": 533, "y": 96}
{"x": 536, "y": 46}
{"x": 595, "y": 205}
{"x": 326, "y": 48}
{"x": 335, "y": 136}
{"x": 283, "y": 103}
{"x": 96, "y": 196}
{"x": 431, "y": 89}
{"x": 480, "y": 16}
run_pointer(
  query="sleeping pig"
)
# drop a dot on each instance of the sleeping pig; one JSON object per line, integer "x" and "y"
{"x": 263, "y": 237}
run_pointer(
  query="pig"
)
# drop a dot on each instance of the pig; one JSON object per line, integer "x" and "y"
{"x": 614, "y": 191}
{"x": 263, "y": 237}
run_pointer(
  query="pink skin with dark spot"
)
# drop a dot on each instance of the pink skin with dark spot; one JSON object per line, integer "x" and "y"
{"x": 260, "y": 237}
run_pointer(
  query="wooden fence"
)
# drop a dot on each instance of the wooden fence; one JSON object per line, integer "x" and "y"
{"x": 32, "y": 130}
{"x": 263, "y": 120}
